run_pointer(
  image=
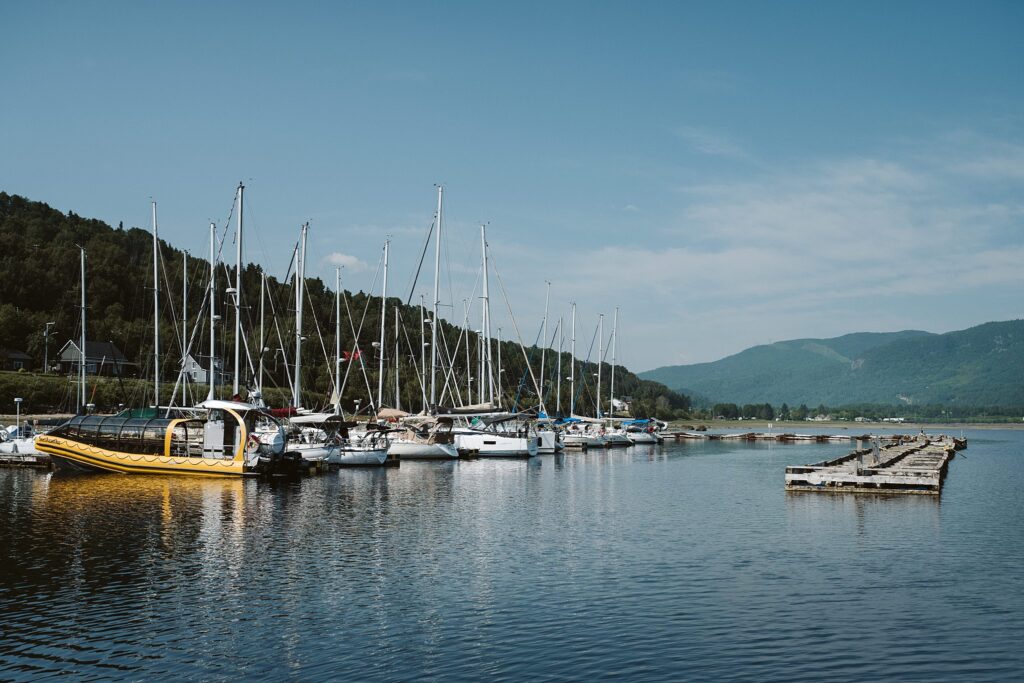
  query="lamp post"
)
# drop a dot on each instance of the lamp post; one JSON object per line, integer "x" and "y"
{"x": 17, "y": 408}
{"x": 46, "y": 347}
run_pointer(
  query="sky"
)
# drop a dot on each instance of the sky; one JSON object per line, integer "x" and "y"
{"x": 727, "y": 174}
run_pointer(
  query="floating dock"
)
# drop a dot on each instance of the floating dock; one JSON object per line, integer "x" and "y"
{"x": 915, "y": 466}
{"x": 36, "y": 461}
{"x": 781, "y": 437}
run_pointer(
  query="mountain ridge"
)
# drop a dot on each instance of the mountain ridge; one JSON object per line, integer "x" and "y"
{"x": 981, "y": 365}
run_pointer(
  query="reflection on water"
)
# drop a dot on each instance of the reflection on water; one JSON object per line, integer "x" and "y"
{"x": 653, "y": 563}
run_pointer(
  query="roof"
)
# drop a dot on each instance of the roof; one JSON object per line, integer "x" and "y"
{"x": 14, "y": 355}
{"x": 204, "y": 361}
{"x": 97, "y": 350}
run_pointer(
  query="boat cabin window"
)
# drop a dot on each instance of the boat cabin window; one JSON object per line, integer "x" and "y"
{"x": 187, "y": 439}
{"x": 115, "y": 433}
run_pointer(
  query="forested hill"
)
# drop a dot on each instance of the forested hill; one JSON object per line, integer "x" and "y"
{"x": 39, "y": 283}
{"x": 979, "y": 366}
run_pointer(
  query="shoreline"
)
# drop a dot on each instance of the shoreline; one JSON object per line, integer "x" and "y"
{"x": 797, "y": 427}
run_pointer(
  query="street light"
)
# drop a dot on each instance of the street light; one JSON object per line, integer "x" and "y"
{"x": 17, "y": 407}
{"x": 46, "y": 347}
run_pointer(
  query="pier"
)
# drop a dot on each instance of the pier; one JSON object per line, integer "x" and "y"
{"x": 915, "y": 466}
{"x": 36, "y": 461}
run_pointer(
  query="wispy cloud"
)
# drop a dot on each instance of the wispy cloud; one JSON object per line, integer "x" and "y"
{"x": 714, "y": 81}
{"x": 710, "y": 141}
{"x": 823, "y": 248}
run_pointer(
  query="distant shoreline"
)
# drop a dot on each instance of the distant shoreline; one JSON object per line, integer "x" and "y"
{"x": 864, "y": 427}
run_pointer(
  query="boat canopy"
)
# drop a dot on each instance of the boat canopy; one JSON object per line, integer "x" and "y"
{"x": 118, "y": 433}
{"x": 388, "y": 413}
{"x": 319, "y": 418}
{"x": 237, "y": 406}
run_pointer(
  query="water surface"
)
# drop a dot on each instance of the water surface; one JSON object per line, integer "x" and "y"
{"x": 687, "y": 561}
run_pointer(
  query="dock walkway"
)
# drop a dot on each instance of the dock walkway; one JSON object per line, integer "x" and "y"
{"x": 917, "y": 466}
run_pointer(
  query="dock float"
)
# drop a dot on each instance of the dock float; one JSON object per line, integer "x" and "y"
{"x": 914, "y": 466}
{"x": 36, "y": 461}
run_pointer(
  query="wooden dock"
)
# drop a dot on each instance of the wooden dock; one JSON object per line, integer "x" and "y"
{"x": 780, "y": 437}
{"x": 915, "y": 466}
{"x": 36, "y": 461}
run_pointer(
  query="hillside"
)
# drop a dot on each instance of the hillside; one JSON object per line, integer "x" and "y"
{"x": 983, "y": 365}
{"x": 39, "y": 283}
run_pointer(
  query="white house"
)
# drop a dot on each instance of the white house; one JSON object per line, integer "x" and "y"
{"x": 196, "y": 370}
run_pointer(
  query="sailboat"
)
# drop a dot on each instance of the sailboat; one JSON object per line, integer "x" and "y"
{"x": 326, "y": 436}
{"x": 614, "y": 434}
{"x": 424, "y": 438}
{"x": 490, "y": 433}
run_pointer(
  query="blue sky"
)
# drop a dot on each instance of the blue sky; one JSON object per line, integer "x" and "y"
{"x": 728, "y": 174}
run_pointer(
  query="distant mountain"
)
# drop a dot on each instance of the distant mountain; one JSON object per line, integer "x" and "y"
{"x": 979, "y": 366}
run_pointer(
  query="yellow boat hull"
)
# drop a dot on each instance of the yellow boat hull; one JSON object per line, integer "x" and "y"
{"x": 78, "y": 456}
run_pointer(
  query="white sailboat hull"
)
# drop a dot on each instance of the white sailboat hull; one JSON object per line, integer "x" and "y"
{"x": 486, "y": 444}
{"x": 19, "y": 446}
{"x": 617, "y": 440}
{"x": 345, "y": 457}
{"x": 582, "y": 441}
{"x": 547, "y": 442}
{"x": 411, "y": 450}
{"x": 641, "y": 437}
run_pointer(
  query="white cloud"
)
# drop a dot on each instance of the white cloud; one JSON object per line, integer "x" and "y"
{"x": 351, "y": 263}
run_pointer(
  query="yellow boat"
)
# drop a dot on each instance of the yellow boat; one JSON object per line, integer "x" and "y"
{"x": 220, "y": 443}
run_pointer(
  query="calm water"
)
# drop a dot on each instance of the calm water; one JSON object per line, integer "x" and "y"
{"x": 687, "y": 562}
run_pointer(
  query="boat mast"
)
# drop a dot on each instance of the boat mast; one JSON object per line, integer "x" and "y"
{"x": 300, "y": 285}
{"x": 487, "y": 323}
{"x": 213, "y": 308}
{"x": 184, "y": 323}
{"x": 572, "y": 364}
{"x": 238, "y": 288}
{"x": 615, "y": 335}
{"x": 600, "y": 362}
{"x": 558, "y": 381}
{"x": 337, "y": 341}
{"x": 544, "y": 342}
{"x": 383, "y": 310}
{"x": 433, "y": 320}
{"x": 263, "y": 348}
{"x": 499, "y": 367}
{"x": 81, "y": 353}
{"x": 469, "y": 365}
{"x": 398, "y": 400}
{"x": 156, "y": 316}
{"x": 423, "y": 357}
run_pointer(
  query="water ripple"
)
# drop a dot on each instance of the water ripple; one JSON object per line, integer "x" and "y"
{"x": 687, "y": 562}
